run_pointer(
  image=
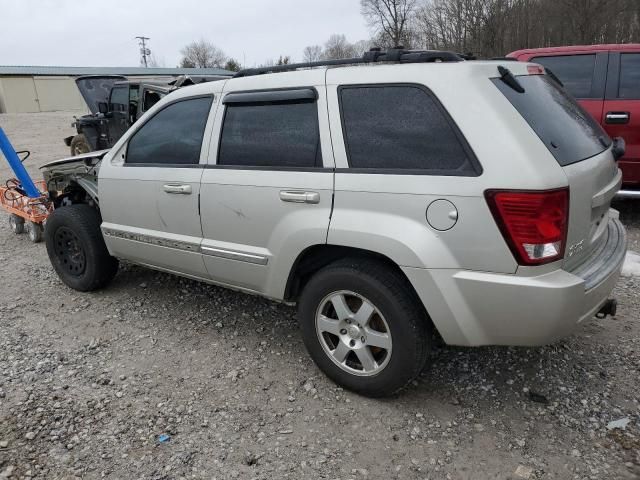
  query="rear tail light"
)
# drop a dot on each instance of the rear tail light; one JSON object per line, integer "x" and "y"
{"x": 533, "y": 223}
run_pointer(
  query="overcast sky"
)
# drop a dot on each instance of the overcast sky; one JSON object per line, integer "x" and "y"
{"x": 101, "y": 33}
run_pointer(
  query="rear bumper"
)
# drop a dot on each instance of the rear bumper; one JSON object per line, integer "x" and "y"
{"x": 477, "y": 308}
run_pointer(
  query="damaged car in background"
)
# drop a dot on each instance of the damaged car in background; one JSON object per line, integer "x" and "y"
{"x": 115, "y": 104}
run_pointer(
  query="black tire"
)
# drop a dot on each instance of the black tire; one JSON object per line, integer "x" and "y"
{"x": 77, "y": 250}
{"x": 17, "y": 224}
{"x": 396, "y": 301}
{"x": 35, "y": 231}
{"x": 80, "y": 145}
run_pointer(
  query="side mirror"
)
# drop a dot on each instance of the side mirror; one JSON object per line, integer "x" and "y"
{"x": 619, "y": 148}
{"x": 103, "y": 108}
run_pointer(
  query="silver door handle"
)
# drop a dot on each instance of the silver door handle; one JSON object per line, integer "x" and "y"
{"x": 299, "y": 197}
{"x": 178, "y": 189}
{"x": 618, "y": 117}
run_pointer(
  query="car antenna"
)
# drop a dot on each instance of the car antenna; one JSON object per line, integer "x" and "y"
{"x": 507, "y": 77}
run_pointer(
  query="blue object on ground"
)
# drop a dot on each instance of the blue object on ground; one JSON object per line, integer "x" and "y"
{"x": 16, "y": 165}
{"x": 164, "y": 438}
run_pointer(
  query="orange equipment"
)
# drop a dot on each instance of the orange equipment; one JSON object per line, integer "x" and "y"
{"x": 26, "y": 212}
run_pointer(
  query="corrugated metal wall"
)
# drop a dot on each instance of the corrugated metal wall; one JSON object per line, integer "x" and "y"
{"x": 39, "y": 94}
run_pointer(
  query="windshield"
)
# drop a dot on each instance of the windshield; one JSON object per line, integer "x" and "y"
{"x": 568, "y": 131}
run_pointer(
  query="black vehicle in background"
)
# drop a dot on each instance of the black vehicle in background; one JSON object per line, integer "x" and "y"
{"x": 115, "y": 104}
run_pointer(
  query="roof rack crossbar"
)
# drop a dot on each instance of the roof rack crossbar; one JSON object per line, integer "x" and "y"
{"x": 398, "y": 55}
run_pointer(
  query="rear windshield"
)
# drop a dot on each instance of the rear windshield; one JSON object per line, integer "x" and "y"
{"x": 569, "y": 132}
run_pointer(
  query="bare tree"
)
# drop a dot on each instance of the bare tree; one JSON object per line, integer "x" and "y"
{"x": 337, "y": 47}
{"x": 202, "y": 54}
{"x": 312, "y": 53}
{"x": 390, "y": 20}
{"x": 362, "y": 46}
{"x": 267, "y": 63}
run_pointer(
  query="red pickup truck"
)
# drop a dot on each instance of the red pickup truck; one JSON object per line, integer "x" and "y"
{"x": 605, "y": 79}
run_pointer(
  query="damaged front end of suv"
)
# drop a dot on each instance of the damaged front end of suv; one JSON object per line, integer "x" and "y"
{"x": 74, "y": 180}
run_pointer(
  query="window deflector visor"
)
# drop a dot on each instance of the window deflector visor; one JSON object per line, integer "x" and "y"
{"x": 297, "y": 95}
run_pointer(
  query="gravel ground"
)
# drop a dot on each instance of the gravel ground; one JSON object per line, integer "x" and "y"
{"x": 90, "y": 382}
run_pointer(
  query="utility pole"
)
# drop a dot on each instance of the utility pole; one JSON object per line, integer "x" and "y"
{"x": 144, "y": 51}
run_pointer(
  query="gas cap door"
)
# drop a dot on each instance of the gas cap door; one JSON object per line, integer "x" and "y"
{"x": 442, "y": 215}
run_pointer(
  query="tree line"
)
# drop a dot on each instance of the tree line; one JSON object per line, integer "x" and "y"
{"x": 496, "y": 27}
{"x": 485, "y": 28}
{"x": 489, "y": 28}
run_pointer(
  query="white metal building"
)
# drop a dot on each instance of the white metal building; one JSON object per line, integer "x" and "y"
{"x": 48, "y": 89}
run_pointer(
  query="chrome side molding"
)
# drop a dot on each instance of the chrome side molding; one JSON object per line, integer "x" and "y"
{"x": 234, "y": 255}
{"x": 188, "y": 246}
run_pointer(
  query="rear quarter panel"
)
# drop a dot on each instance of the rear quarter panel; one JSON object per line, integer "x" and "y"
{"x": 387, "y": 213}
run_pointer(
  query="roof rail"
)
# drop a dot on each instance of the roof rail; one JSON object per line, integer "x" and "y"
{"x": 396, "y": 55}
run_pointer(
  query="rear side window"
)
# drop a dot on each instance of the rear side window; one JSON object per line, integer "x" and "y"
{"x": 271, "y": 134}
{"x": 569, "y": 132}
{"x": 629, "y": 76}
{"x": 574, "y": 71}
{"x": 173, "y": 136}
{"x": 401, "y": 127}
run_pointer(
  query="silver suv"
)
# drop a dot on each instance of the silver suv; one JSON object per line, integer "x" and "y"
{"x": 392, "y": 197}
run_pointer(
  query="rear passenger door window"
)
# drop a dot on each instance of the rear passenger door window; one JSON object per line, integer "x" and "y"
{"x": 271, "y": 134}
{"x": 404, "y": 129}
{"x": 629, "y": 76}
{"x": 173, "y": 136}
{"x": 574, "y": 71}
{"x": 621, "y": 113}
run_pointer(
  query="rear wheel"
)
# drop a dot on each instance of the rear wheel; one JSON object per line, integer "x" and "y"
{"x": 364, "y": 327}
{"x": 77, "y": 250}
{"x": 79, "y": 145}
{"x": 17, "y": 224}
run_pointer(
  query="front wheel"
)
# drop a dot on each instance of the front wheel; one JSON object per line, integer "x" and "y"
{"x": 77, "y": 250}
{"x": 364, "y": 327}
{"x": 16, "y": 223}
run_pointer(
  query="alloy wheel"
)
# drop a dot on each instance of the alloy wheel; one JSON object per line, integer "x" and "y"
{"x": 353, "y": 333}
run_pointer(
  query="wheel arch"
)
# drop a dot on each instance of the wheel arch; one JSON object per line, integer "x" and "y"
{"x": 316, "y": 257}
{"x": 77, "y": 190}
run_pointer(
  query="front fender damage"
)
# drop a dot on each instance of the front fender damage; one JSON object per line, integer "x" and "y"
{"x": 74, "y": 179}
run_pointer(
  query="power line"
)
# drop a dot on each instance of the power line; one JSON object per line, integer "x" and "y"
{"x": 144, "y": 51}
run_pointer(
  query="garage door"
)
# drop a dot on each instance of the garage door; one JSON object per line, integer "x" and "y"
{"x": 58, "y": 93}
{"x": 20, "y": 95}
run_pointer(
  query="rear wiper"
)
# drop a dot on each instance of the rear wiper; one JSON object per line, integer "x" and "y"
{"x": 507, "y": 77}
{"x": 554, "y": 77}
